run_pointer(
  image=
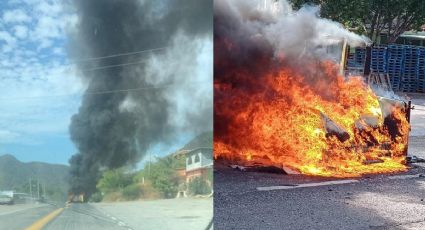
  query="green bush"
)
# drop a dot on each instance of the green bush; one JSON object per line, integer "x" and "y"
{"x": 163, "y": 176}
{"x": 96, "y": 197}
{"x": 114, "y": 180}
{"x": 131, "y": 192}
{"x": 199, "y": 186}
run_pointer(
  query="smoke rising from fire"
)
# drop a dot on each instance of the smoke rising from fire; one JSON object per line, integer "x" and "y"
{"x": 258, "y": 35}
{"x": 289, "y": 32}
{"x": 130, "y": 107}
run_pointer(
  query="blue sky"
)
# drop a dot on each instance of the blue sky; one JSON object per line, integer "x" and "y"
{"x": 39, "y": 89}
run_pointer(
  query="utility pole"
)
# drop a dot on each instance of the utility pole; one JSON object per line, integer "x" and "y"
{"x": 30, "y": 188}
{"x": 38, "y": 189}
{"x": 150, "y": 159}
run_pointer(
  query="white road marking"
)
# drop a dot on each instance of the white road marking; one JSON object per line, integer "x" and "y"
{"x": 287, "y": 187}
{"x": 335, "y": 182}
{"x": 406, "y": 176}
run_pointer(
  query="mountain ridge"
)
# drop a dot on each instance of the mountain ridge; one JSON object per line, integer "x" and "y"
{"x": 16, "y": 175}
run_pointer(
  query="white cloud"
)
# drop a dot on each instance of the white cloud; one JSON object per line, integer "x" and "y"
{"x": 38, "y": 92}
{"x": 39, "y": 100}
{"x": 58, "y": 51}
{"x": 51, "y": 25}
{"x": 8, "y": 136}
{"x": 48, "y": 27}
{"x": 49, "y": 7}
{"x": 15, "y": 16}
{"x": 7, "y": 41}
{"x": 20, "y": 31}
{"x": 5, "y": 36}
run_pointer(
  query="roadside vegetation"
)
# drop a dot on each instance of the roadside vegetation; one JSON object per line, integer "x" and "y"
{"x": 158, "y": 181}
{"x": 163, "y": 178}
{"x": 372, "y": 17}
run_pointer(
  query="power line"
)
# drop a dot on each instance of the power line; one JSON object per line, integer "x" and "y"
{"x": 103, "y": 92}
{"x": 119, "y": 55}
{"x": 123, "y": 64}
{"x": 115, "y": 55}
{"x": 112, "y": 66}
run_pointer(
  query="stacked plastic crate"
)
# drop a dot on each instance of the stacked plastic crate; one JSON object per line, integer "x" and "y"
{"x": 357, "y": 59}
{"x": 420, "y": 69}
{"x": 378, "y": 59}
{"x": 409, "y": 80}
{"x": 360, "y": 56}
{"x": 395, "y": 65}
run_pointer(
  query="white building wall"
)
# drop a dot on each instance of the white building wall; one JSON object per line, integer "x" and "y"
{"x": 205, "y": 159}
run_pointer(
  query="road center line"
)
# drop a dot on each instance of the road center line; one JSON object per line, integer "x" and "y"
{"x": 39, "y": 224}
{"x": 324, "y": 183}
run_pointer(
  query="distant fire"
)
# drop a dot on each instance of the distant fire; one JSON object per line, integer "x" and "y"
{"x": 327, "y": 126}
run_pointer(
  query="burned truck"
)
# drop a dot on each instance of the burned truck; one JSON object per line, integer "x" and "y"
{"x": 75, "y": 198}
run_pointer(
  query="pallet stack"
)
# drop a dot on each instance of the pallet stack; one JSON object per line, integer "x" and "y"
{"x": 378, "y": 61}
{"x": 404, "y": 64}
{"x": 360, "y": 56}
{"x": 409, "y": 80}
{"x": 357, "y": 59}
{"x": 420, "y": 69}
{"x": 395, "y": 65}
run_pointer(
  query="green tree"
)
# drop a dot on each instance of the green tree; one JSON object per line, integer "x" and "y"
{"x": 371, "y": 17}
{"x": 210, "y": 175}
{"x": 96, "y": 197}
{"x": 132, "y": 192}
{"x": 199, "y": 186}
{"x": 163, "y": 176}
{"x": 114, "y": 180}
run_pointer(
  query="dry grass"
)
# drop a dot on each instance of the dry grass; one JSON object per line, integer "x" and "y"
{"x": 148, "y": 192}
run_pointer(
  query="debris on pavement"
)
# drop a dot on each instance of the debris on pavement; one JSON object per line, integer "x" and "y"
{"x": 259, "y": 168}
{"x": 414, "y": 159}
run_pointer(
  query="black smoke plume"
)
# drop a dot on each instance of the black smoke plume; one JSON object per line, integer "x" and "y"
{"x": 130, "y": 107}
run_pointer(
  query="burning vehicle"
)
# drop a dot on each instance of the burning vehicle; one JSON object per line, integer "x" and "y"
{"x": 281, "y": 100}
{"x": 75, "y": 198}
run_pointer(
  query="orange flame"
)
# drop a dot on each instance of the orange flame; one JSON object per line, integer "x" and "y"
{"x": 329, "y": 126}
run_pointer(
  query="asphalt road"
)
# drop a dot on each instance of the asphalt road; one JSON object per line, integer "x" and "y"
{"x": 21, "y": 216}
{"x": 377, "y": 202}
{"x": 417, "y": 133}
{"x": 373, "y": 202}
{"x": 84, "y": 217}
{"x": 74, "y": 217}
{"x": 176, "y": 214}
{"x": 187, "y": 213}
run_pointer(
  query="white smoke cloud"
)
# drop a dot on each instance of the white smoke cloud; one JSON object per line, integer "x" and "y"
{"x": 187, "y": 64}
{"x": 290, "y": 32}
